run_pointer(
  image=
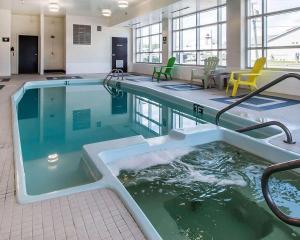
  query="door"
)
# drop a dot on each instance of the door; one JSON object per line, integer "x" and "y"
{"x": 28, "y": 54}
{"x": 119, "y": 53}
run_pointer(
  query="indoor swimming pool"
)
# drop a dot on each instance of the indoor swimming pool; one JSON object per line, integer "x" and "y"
{"x": 57, "y": 121}
{"x": 211, "y": 191}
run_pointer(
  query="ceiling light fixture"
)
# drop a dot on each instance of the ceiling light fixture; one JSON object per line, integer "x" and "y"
{"x": 53, "y": 7}
{"x": 106, "y": 12}
{"x": 123, "y": 4}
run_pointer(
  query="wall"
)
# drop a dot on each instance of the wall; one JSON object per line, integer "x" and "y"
{"x": 94, "y": 58}
{"x": 54, "y": 54}
{"x": 22, "y": 25}
{"x": 5, "y": 31}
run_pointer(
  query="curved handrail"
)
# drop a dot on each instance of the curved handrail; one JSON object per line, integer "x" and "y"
{"x": 258, "y": 91}
{"x": 280, "y": 167}
{"x": 289, "y": 137}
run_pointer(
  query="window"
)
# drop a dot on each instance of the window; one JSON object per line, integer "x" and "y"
{"x": 200, "y": 35}
{"x": 149, "y": 44}
{"x": 81, "y": 34}
{"x": 274, "y": 32}
{"x": 148, "y": 114}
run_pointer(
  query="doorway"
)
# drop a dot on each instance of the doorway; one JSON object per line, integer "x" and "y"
{"x": 28, "y": 54}
{"x": 119, "y": 53}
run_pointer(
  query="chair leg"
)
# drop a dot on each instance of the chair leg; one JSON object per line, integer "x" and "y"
{"x": 234, "y": 90}
{"x": 227, "y": 88}
{"x": 158, "y": 77}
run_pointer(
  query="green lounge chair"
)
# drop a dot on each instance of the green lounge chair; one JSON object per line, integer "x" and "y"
{"x": 164, "y": 70}
{"x": 210, "y": 66}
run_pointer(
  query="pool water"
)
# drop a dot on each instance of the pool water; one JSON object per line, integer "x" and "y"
{"x": 60, "y": 120}
{"x": 213, "y": 191}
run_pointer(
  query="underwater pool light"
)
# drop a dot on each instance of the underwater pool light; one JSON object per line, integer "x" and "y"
{"x": 53, "y": 158}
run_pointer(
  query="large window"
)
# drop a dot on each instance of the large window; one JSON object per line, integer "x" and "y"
{"x": 274, "y": 32}
{"x": 200, "y": 35}
{"x": 149, "y": 44}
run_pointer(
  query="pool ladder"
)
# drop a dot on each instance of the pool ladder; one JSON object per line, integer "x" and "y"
{"x": 275, "y": 168}
{"x": 114, "y": 87}
{"x": 289, "y": 137}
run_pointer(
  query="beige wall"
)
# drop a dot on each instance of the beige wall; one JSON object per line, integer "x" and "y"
{"x": 5, "y": 31}
{"x": 22, "y": 25}
{"x": 54, "y": 53}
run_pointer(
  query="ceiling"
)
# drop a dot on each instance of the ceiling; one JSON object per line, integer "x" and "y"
{"x": 78, "y": 7}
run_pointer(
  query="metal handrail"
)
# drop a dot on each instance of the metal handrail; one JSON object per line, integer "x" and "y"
{"x": 289, "y": 137}
{"x": 280, "y": 167}
{"x": 115, "y": 73}
{"x": 258, "y": 91}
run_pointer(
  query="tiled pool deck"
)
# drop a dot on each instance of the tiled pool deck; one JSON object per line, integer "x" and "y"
{"x": 97, "y": 214}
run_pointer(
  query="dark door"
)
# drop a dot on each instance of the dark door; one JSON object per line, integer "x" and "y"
{"x": 28, "y": 54}
{"x": 119, "y": 53}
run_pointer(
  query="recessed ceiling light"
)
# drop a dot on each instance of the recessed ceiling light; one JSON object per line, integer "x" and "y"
{"x": 123, "y": 4}
{"x": 53, "y": 7}
{"x": 106, "y": 12}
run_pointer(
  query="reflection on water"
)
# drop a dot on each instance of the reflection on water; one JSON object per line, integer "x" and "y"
{"x": 61, "y": 120}
{"x": 210, "y": 192}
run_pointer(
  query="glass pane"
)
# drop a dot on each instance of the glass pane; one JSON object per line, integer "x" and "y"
{"x": 209, "y": 37}
{"x": 155, "y": 58}
{"x": 138, "y": 32}
{"x": 208, "y": 17}
{"x": 176, "y": 24}
{"x": 223, "y": 58}
{"x": 155, "y": 43}
{"x": 285, "y": 32}
{"x": 145, "y": 57}
{"x": 189, "y": 39}
{"x": 223, "y": 14}
{"x": 138, "y": 57}
{"x": 145, "y": 44}
{"x": 283, "y": 58}
{"x": 255, "y": 33}
{"x": 278, "y": 5}
{"x": 145, "y": 31}
{"x": 223, "y": 43}
{"x": 188, "y": 21}
{"x": 155, "y": 29}
{"x": 177, "y": 56}
{"x": 188, "y": 58}
{"x": 138, "y": 45}
{"x": 205, "y": 54}
{"x": 176, "y": 46}
{"x": 253, "y": 55}
{"x": 255, "y": 7}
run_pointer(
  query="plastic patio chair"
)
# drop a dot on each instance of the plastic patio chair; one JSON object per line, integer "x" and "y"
{"x": 210, "y": 66}
{"x": 164, "y": 70}
{"x": 236, "y": 78}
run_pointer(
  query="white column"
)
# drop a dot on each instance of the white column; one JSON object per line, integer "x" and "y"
{"x": 42, "y": 44}
{"x": 165, "y": 44}
{"x": 236, "y": 34}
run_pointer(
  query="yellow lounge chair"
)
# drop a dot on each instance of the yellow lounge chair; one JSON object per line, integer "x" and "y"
{"x": 251, "y": 80}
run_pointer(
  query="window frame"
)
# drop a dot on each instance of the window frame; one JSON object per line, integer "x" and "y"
{"x": 264, "y": 46}
{"x": 137, "y": 51}
{"x": 219, "y": 23}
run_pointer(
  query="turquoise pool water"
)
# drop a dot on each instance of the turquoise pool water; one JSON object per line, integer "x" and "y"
{"x": 213, "y": 191}
{"x": 58, "y": 121}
